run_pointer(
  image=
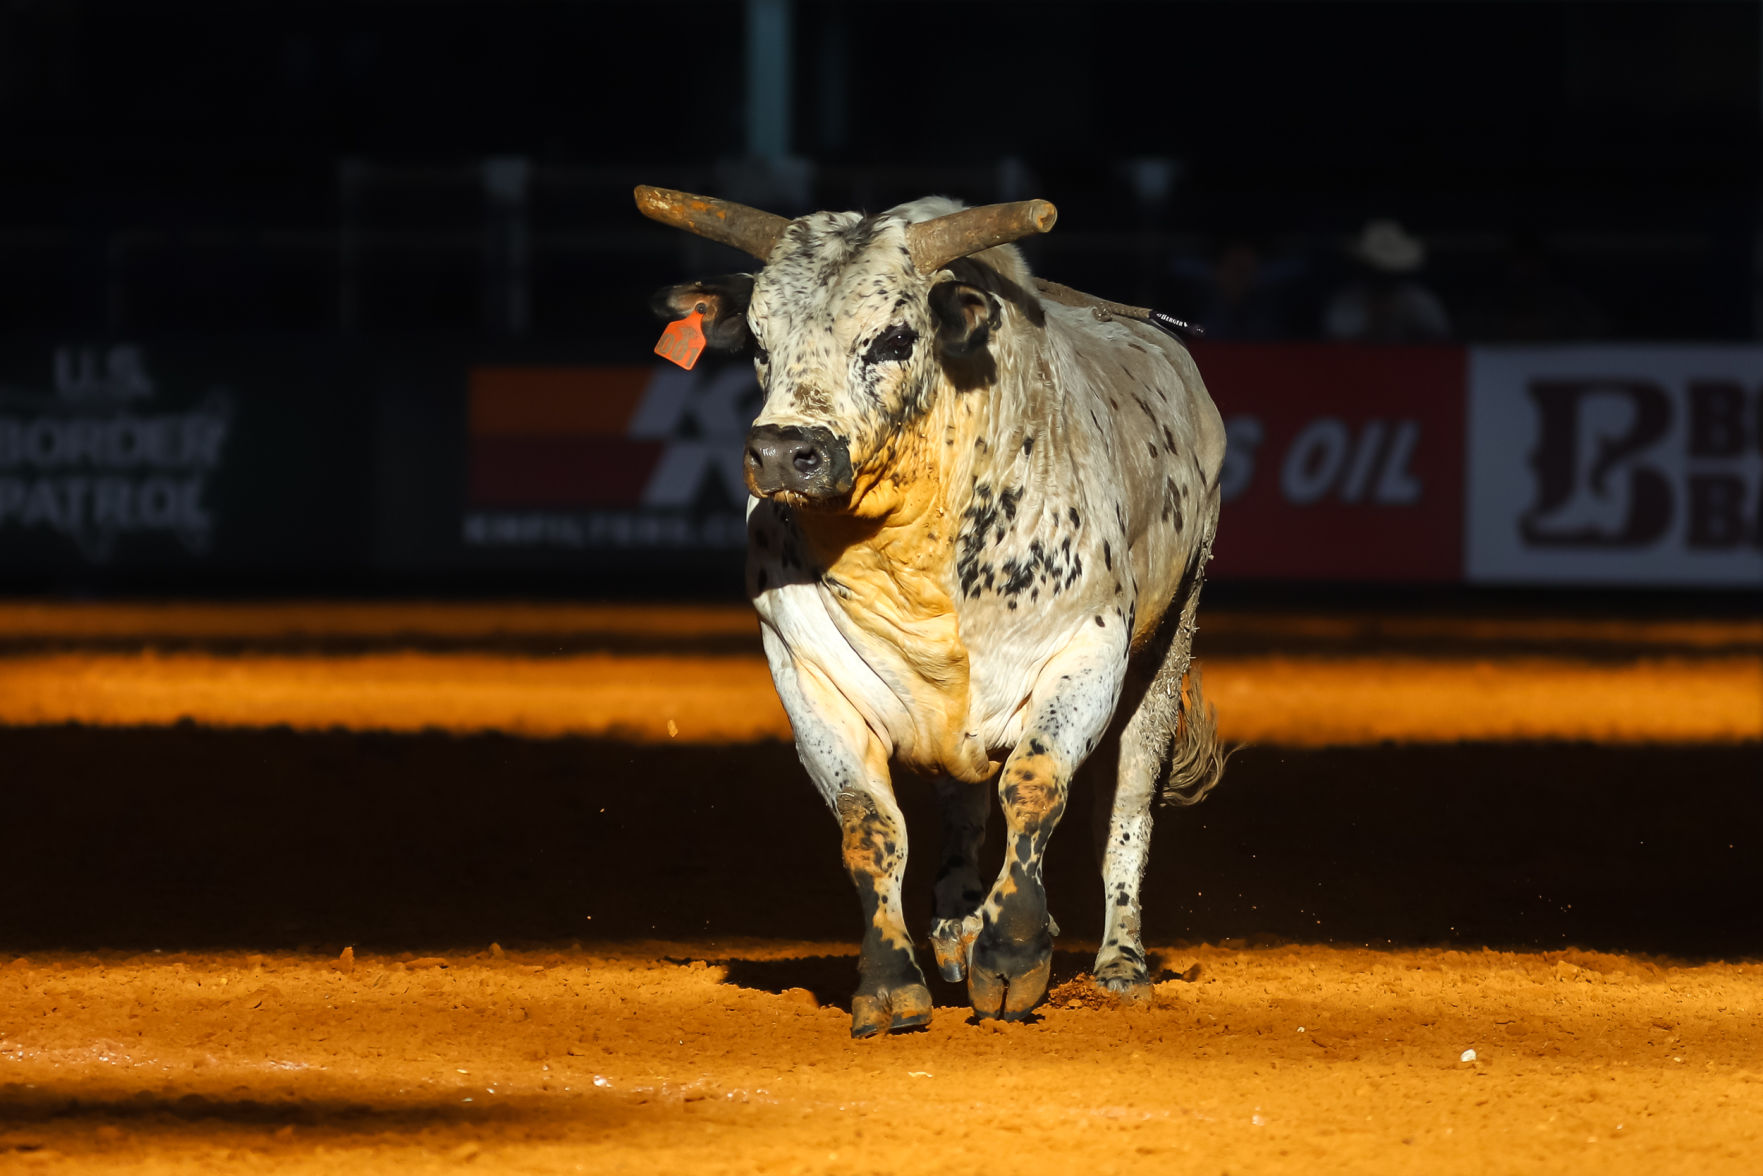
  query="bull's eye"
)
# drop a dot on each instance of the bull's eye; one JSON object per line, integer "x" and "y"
{"x": 894, "y": 346}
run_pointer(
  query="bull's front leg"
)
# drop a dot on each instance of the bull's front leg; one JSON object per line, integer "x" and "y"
{"x": 850, "y": 767}
{"x": 891, "y": 993}
{"x": 1068, "y": 713}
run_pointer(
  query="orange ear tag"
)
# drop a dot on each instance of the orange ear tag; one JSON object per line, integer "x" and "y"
{"x": 682, "y": 341}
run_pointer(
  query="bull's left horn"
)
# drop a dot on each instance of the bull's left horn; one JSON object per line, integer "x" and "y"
{"x": 747, "y": 229}
{"x": 935, "y": 243}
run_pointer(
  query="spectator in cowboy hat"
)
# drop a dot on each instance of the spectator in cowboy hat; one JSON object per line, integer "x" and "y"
{"x": 1385, "y": 302}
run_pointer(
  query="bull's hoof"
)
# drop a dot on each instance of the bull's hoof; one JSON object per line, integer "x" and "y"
{"x": 1007, "y": 979}
{"x": 952, "y": 940}
{"x": 905, "y": 1007}
{"x": 1121, "y": 970}
{"x": 1130, "y": 989}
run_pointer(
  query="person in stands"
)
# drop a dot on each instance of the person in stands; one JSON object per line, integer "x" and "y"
{"x": 1385, "y": 301}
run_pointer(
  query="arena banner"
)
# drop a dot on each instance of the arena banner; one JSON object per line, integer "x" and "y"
{"x": 125, "y": 455}
{"x": 1616, "y": 465}
{"x": 581, "y": 457}
{"x": 191, "y": 462}
{"x": 1344, "y": 463}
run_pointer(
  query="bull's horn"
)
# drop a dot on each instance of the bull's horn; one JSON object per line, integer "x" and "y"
{"x": 747, "y": 229}
{"x": 935, "y": 243}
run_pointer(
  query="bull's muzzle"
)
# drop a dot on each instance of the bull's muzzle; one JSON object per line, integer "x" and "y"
{"x": 809, "y": 461}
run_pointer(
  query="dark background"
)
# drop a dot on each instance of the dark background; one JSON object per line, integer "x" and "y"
{"x": 189, "y": 166}
{"x": 365, "y": 200}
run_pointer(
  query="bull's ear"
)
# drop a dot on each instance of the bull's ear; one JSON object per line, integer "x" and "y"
{"x": 966, "y": 317}
{"x": 721, "y": 300}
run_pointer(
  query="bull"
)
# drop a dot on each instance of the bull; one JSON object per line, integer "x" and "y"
{"x": 982, "y": 507}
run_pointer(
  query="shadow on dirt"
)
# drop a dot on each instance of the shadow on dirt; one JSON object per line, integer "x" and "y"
{"x": 191, "y": 838}
{"x": 831, "y": 978}
{"x": 80, "y": 1103}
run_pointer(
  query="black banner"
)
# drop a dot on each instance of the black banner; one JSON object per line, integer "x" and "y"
{"x": 182, "y": 462}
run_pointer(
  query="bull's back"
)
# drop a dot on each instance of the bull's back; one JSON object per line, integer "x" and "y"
{"x": 1163, "y": 445}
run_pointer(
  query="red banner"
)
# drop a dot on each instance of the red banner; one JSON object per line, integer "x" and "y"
{"x": 557, "y": 436}
{"x": 1345, "y": 463}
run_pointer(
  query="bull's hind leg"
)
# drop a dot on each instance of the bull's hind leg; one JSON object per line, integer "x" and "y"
{"x": 1012, "y": 954}
{"x": 1163, "y": 737}
{"x": 959, "y": 891}
{"x": 1126, "y": 846}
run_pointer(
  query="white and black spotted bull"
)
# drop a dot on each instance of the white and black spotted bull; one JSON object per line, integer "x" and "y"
{"x": 982, "y": 507}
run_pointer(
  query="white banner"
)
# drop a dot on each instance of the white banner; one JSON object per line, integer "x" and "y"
{"x": 1615, "y": 465}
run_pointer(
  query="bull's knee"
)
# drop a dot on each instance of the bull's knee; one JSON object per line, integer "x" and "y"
{"x": 1033, "y": 789}
{"x": 872, "y": 845}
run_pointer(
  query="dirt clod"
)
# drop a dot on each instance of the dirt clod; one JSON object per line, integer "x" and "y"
{"x": 803, "y": 998}
{"x": 1081, "y": 992}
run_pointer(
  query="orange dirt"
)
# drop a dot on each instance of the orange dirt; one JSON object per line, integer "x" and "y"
{"x": 1300, "y": 702}
{"x": 644, "y": 1060}
{"x": 642, "y": 673}
{"x": 726, "y": 1055}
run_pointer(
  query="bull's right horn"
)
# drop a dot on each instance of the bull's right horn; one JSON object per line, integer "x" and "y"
{"x": 935, "y": 243}
{"x": 747, "y": 229}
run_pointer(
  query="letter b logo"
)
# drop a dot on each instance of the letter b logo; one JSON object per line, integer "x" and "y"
{"x": 1593, "y": 488}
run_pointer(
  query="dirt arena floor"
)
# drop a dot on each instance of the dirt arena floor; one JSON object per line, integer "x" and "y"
{"x": 555, "y": 897}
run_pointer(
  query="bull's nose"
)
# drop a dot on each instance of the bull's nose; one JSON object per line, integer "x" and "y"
{"x": 805, "y": 460}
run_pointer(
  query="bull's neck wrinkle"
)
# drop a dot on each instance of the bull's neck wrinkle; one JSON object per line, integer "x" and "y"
{"x": 897, "y": 540}
{"x": 903, "y": 491}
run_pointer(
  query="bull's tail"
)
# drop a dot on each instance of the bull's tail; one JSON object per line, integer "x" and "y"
{"x": 1196, "y": 755}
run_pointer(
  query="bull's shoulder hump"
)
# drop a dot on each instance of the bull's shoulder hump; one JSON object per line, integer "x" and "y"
{"x": 1120, "y": 352}
{"x": 1133, "y": 378}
